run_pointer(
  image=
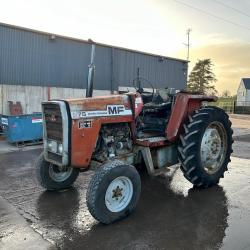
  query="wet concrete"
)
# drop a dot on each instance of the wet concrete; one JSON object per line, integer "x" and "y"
{"x": 170, "y": 214}
{"x": 16, "y": 233}
{"x": 241, "y": 128}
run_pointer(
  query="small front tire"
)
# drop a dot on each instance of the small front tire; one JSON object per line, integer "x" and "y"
{"x": 51, "y": 177}
{"x": 113, "y": 192}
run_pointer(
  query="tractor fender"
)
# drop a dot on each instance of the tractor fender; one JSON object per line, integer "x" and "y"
{"x": 184, "y": 105}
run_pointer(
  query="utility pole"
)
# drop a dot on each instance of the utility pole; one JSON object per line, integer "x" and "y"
{"x": 188, "y": 42}
{"x": 188, "y": 47}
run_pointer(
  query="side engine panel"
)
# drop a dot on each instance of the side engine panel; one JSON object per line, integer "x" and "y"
{"x": 89, "y": 115}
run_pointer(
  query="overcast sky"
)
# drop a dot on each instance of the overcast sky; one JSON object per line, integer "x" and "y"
{"x": 156, "y": 26}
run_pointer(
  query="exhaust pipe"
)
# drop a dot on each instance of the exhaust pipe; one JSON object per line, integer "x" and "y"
{"x": 91, "y": 74}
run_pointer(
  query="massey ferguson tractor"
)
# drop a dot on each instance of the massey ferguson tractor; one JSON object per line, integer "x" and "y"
{"x": 155, "y": 129}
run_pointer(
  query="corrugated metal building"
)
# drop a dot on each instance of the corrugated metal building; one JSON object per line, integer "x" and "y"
{"x": 34, "y": 58}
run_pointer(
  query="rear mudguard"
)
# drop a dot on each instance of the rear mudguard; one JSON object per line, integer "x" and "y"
{"x": 185, "y": 104}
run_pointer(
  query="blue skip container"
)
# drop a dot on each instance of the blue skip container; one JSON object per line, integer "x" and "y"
{"x": 22, "y": 128}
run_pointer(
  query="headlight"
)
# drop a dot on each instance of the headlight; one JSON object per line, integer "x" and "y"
{"x": 60, "y": 148}
{"x": 52, "y": 146}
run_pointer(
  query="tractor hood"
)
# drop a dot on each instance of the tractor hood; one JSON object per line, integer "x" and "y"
{"x": 103, "y": 106}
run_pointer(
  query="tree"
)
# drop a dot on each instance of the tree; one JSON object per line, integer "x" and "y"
{"x": 202, "y": 77}
{"x": 226, "y": 94}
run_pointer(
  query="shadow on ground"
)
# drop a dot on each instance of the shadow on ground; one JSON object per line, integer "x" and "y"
{"x": 163, "y": 220}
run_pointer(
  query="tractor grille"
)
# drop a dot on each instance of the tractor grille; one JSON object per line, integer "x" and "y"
{"x": 53, "y": 121}
{"x": 55, "y": 157}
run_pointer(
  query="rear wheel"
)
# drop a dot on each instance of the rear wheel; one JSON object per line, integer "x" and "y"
{"x": 206, "y": 146}
{"x": 113, "y": 192}
{"x": 51, "y": 177}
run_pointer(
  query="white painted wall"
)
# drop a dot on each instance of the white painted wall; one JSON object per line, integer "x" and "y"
{"x": 243, "y": 95}
{"x": 248, "y": 96}
{"x": 32, "y": 96}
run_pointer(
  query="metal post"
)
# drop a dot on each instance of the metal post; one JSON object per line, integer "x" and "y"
{"x": 112, "y": 72}
{"x": 138, "y": 80}
{"x": 188, "y": 43}
{"x": 188, "y": 48}
{"x": 91, "y": 74}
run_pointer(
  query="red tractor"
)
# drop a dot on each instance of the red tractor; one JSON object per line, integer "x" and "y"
{"x": 123, "y": 131}
{"x": 154, "y": 129}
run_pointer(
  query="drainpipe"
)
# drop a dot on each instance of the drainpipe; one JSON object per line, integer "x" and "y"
{"x": 48, "y": 93}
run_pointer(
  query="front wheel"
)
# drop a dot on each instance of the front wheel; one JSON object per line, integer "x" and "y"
{"x": 51, "y": 177}
{"x": 205, "y": 146}
{"x": 113, "y": 192}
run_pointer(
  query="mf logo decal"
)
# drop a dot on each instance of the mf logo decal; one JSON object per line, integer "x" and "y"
{"x": 115, "y": 109}
{"x": 112, "y": 110}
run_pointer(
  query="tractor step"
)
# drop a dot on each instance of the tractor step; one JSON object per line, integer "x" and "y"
{"x": 167, "y": 172}
{"x": 154, "y": 139}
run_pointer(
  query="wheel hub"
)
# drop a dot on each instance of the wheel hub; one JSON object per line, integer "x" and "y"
{"x": 119, "y": 194}
{"x": 58, "y": 174}
{"x": 213, "y": 147}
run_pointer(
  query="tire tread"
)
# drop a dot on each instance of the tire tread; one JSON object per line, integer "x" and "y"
{"x": 188, "y": 149}
{"x": 94, "y": 184}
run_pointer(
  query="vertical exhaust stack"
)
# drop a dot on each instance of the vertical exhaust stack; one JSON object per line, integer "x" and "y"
{"x": 91, "y": 74}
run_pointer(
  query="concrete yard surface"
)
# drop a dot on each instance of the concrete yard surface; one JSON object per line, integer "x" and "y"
{"x": 6, "y": 147}
{"x": 16, "y": 233}
{"x": 241, "y": 128}
{"x": 171, "y": 214}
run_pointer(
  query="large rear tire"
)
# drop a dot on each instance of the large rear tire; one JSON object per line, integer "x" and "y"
{"x": 52, "y": 178}
{"x": 205, "y": 146}
{"x": 113, "y": 192}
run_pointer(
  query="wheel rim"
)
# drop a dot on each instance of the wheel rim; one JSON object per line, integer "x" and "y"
{"x": 119, "y": 194}
{"x": 58, "y": 175}
{"x": 213, "y": 147}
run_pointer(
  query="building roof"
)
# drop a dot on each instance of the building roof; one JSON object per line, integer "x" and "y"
{"x": 246, "y": 82}
{"x": 89, "y": 41}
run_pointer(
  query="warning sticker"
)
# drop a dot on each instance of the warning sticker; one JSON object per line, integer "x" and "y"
{"x": 4, "y": 121}
{"x": 84, "y": 124}
{"x": 36, "y": 120}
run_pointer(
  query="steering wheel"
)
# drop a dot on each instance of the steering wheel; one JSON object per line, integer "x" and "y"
{"x": 139, "y": 83}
